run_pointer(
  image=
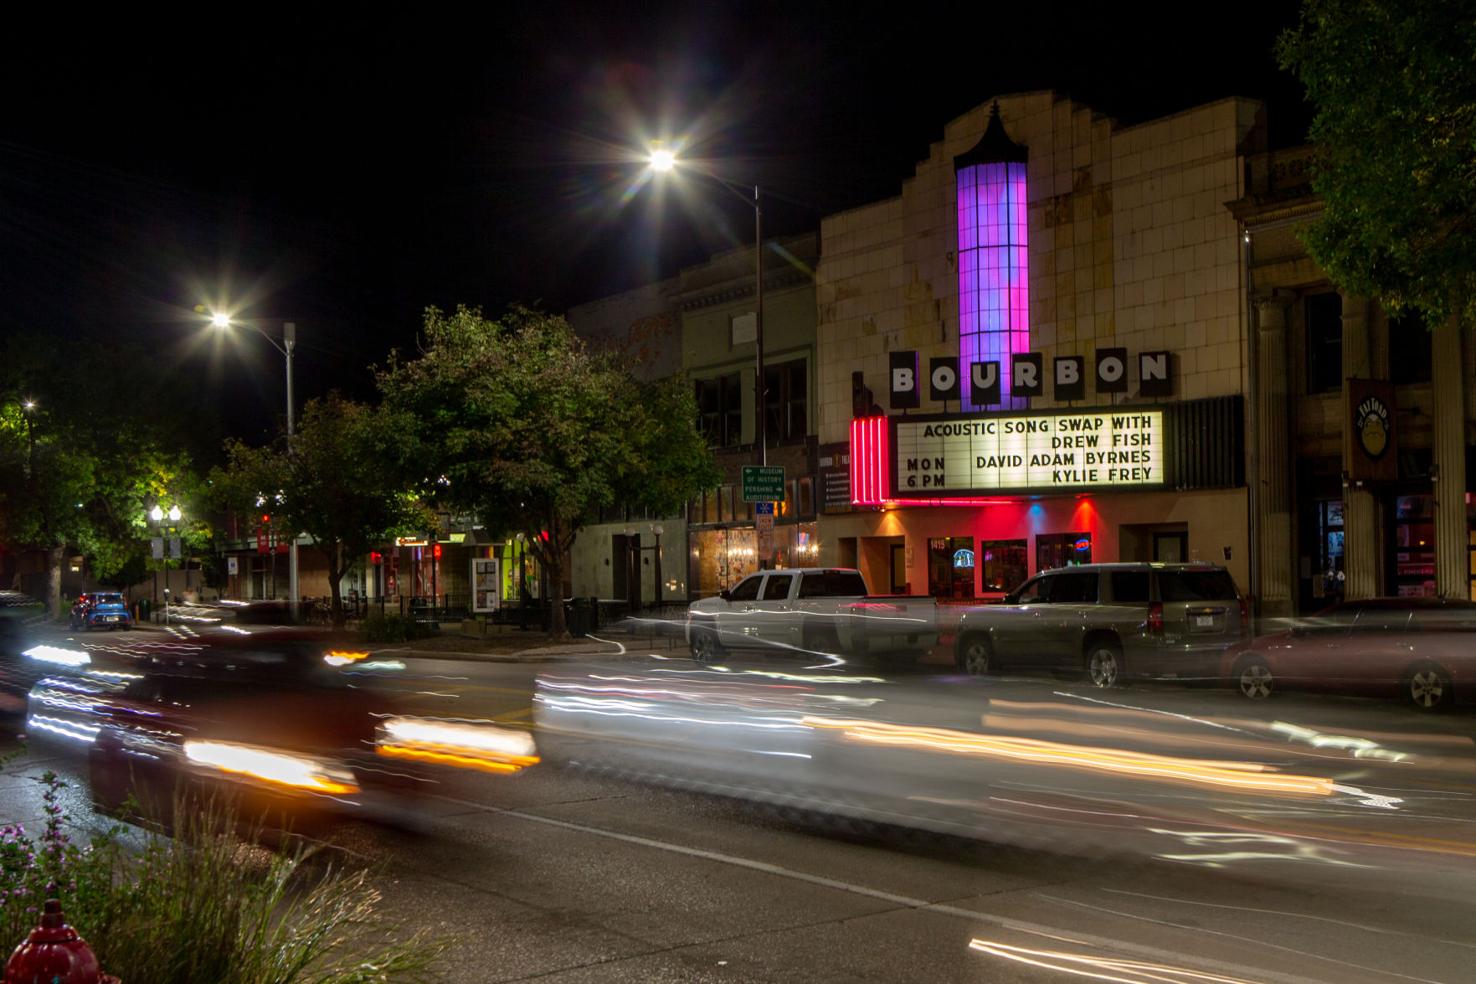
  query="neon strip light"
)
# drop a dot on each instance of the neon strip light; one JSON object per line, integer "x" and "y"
{"x": 870, "y": 474}
{"x": 993, "y": 271}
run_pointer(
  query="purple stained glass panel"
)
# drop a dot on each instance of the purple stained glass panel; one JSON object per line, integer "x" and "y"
{"x": 993, "y": 271}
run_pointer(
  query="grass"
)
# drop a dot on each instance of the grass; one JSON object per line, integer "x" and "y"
{"x": 207, "y": 904}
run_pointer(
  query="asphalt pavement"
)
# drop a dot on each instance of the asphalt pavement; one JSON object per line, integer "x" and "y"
{"x": 560, "y": 874}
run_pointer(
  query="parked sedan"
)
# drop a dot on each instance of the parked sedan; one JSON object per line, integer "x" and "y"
{"x": 1424, "y": 649}
{"x": 100, "y": 610}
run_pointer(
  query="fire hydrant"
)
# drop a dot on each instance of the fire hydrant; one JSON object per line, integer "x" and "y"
{"x": 54, "y": 954}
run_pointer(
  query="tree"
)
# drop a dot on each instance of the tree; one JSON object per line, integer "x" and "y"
{"x": 1393, "y": 83}
{"x": 343, "y": 482}
{"x": 80, "y": 462}
{"x": 535, "y": 433}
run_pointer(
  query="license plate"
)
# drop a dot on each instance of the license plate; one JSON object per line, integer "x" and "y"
{"x": 1204, "y": 621}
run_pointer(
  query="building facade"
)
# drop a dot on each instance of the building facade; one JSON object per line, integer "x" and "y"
{"x": 702, "y": 324}
{"x": 1035, "y": 355}
{"x": 1364, "y": 422}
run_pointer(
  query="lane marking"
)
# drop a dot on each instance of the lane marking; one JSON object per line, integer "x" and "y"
{"x": 901, "y": 901}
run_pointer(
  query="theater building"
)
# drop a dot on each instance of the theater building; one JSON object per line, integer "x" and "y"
{"x": 1036, "y": 354}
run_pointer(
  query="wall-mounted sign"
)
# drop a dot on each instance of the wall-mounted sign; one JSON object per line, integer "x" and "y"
{"x": 411, "y": 541}
{"x": 1370, "y": 450}
{"x": 1028, "y": 376}
{"x": 835, "y": 477}
{"x": 1042, "y": 451}
{"x": 233, "y": 566}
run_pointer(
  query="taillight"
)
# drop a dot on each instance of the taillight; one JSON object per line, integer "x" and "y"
{"x": 1155, "y": 618}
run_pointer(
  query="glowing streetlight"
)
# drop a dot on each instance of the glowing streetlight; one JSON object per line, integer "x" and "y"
{"x": 174, "y": 513}
{"x": 156, "y": 514}
{"x": 286, "y": 346}
{"x": 662, "y": 160}
{"x": 29, "y": 404}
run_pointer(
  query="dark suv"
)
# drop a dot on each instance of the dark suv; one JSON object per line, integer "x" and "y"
{"x": 1110, "y": 621}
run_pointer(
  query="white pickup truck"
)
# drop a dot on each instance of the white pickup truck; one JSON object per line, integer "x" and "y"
{"x": 820, "y": 611}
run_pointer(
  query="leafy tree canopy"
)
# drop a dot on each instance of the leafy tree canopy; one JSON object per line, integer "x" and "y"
{"x": 531, "y": 431}
{"x": 1393, "y": 83}
{"x": 345, "y": 481}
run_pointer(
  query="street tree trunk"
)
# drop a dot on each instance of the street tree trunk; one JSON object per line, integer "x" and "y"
{"x": 335, "y": 591}
{"x": 53, "y": 580}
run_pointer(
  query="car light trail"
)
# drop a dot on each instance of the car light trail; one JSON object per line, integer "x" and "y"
{"x": 279, "y": 768}
{"x": 463, "y": 744}
{"x": 1244, "y": 776}
{"x": 58, "y": 655}
{"x": 1102, "y": 968}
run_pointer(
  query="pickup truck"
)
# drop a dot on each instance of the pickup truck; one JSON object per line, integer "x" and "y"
{"x": 823, "y": 611}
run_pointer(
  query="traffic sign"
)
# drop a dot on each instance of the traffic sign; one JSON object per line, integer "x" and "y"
{"x": 763, "y": 483}
{"x": 763, "y": 517}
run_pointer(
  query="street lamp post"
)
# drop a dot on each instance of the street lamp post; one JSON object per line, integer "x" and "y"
{"x": 286, "y": 347}
{"x": 157, "y": 515}
{"x": 662, "y": 161}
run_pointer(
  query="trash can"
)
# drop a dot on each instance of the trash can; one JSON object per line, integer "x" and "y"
{"x": 578, "y": 618}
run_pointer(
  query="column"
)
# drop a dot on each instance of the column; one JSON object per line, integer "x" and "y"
{"x": 1360, "y": 512}
{"x": 1274, "y": 500}
{"x": 1452, "y": 580}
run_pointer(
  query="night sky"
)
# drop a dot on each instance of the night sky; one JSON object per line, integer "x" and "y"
{"x": 345, "y": 174}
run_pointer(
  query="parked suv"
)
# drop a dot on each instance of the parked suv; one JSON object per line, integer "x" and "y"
{"x": 1110, "y": 621}
{"x": 100, "y": 610}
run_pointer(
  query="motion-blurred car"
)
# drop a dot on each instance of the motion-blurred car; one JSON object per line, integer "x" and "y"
{"x": 1110, "y": 621}
{"x": 267, "y": 715}
{"x": 100, "y": 610}
{"x": 811, "y": 610}
{"x": 1423, "y": 649}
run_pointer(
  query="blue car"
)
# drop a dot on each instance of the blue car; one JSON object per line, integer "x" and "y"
{"x": 101, "y": 610}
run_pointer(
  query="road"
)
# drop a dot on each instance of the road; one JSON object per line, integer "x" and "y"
{"x": 563, "y": 875}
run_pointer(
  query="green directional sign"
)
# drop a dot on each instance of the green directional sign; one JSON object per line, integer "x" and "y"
{"x": 763, "y": 483}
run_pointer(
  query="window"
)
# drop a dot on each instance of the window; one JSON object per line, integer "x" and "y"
{"x": 1057, "y": 550}
{"x": 1210, "y": 585}
{"x": 786, "y": 387}
{"x": 747, "y": 590}
{"x": 720, "y": 410}
{"x": 1033, "y": 592}
{"x": 807, "y": 496}
{"x": 993, "y": 270}
{"x": 1409, "y": 349}
{"x": 1129, "y": 587}
{"x": 777, "y": 587}
{"x": 1004, "y": 563}
{"x": 832, "y": 584}
{"x": 951, "y": 567}
{"x": 1077, "y": 588}
{"x": 1324, "y": 313}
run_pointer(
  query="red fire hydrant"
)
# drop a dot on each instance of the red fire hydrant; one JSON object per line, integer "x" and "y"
{"x": 54, "y": 954}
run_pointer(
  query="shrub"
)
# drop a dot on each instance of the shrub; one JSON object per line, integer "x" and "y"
{"x": 392, "y": 627}
{"x": 206, "y": 905}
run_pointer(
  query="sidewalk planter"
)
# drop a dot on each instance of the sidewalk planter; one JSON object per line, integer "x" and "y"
{"x": 474, "y": 628}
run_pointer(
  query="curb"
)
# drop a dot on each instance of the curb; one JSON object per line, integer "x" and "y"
{"x": 525, "y": 656}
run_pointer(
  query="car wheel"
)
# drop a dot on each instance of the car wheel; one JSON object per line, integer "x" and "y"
{"x": 1254, "y": 678}
{"x": 1428, "y": 687}
{"x": 976, "y": 655}
{"x": 1104, "y": 665}
{"x": 705, "y": 648}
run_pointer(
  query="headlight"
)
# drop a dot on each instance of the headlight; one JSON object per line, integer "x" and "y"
{"x": 465, "y": 744}
{"x": 271, "y": 766}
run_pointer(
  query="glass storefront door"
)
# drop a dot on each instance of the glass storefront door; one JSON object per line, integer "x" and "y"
{"x": 951, "y": 567}
{"x": 1414, "y": 546}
